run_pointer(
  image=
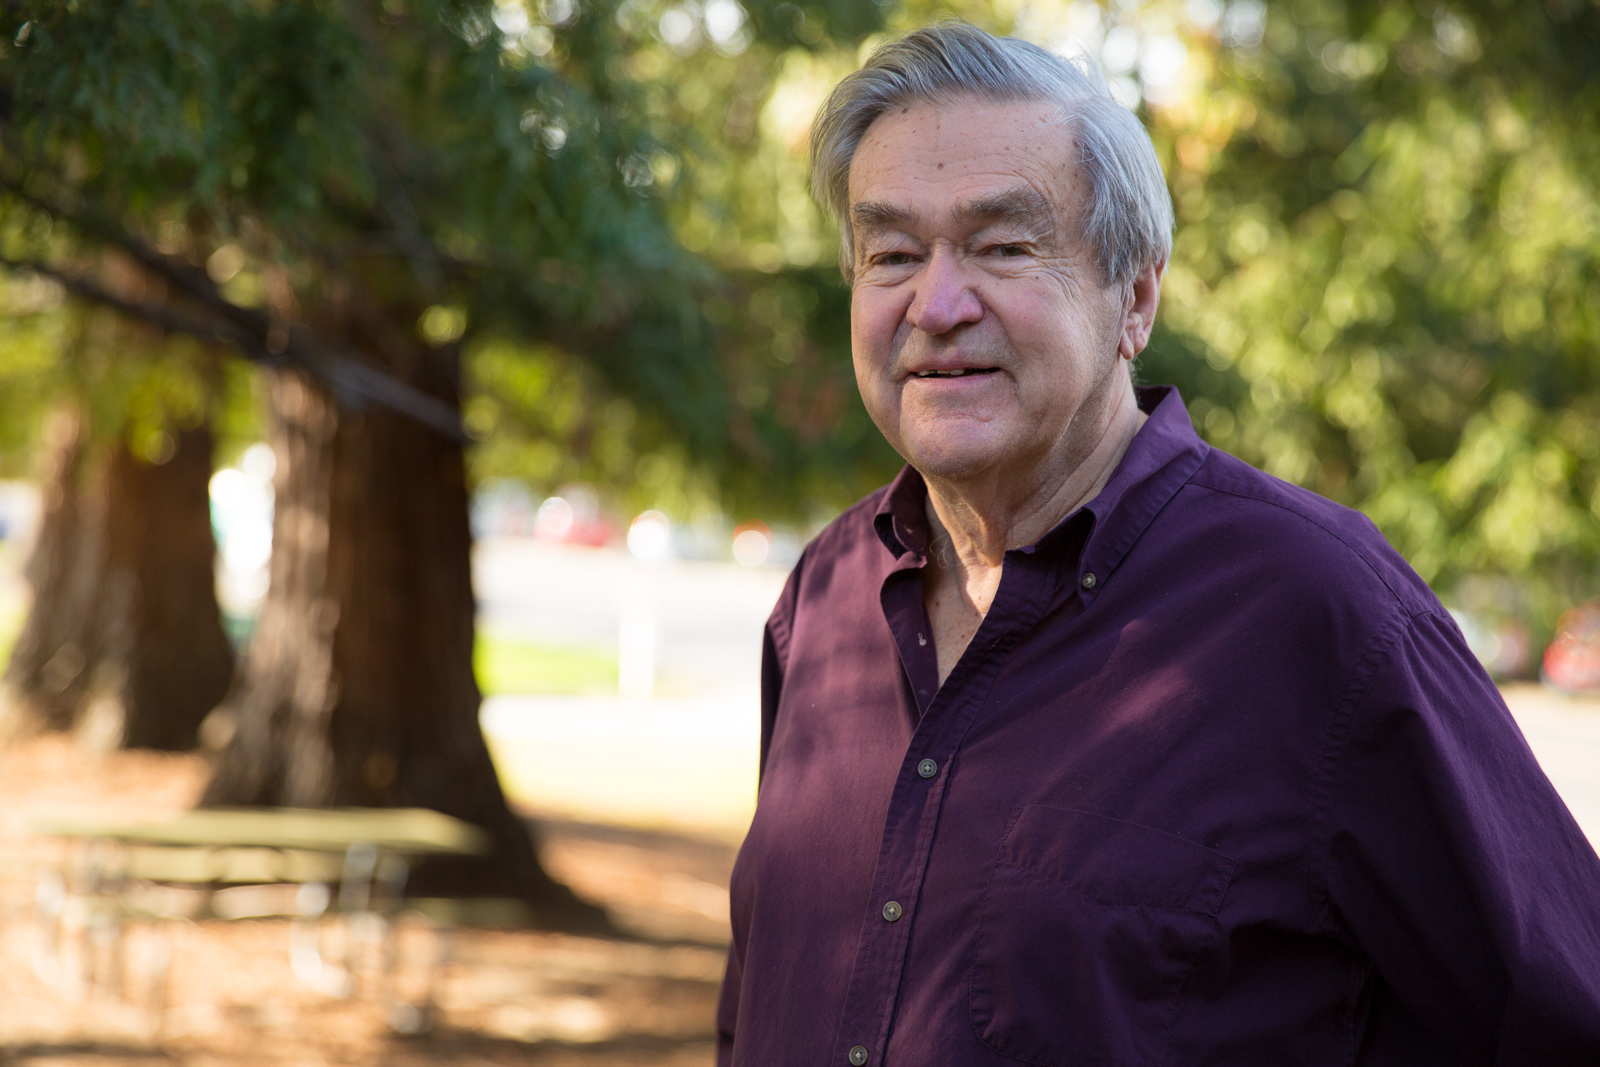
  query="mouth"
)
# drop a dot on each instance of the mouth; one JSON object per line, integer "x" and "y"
{"x": 954, "y": 372}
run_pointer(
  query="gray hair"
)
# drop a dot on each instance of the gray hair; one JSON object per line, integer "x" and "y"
{"x": 1128, "y": 220}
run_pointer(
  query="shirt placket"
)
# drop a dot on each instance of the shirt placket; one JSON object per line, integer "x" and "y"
{"x": 1026, "y": 588}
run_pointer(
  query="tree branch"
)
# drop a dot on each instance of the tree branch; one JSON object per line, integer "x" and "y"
{"x": 354, "y": 384}
{"x": 154, "y": 314}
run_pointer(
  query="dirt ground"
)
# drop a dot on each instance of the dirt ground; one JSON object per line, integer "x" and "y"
{"x": 230, "y": 996}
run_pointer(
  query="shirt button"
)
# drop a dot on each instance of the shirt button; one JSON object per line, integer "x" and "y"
{"x": 892, "y": 910}
{"x": 1088, "y": 580}
{"x": 858, "y": 1055}
{"x": 927, "y": 768}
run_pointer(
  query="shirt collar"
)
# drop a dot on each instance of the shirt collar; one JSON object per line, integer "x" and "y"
{"x": 1160, "y": 459}
{"x": 901, "y": 521}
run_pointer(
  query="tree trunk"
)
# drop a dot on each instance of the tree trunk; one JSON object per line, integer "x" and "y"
{"x": 166, "y": 661}
{"x": 359, "y": 688}
{"x": 47, "y": 679}
{"x": 124, "y": 642}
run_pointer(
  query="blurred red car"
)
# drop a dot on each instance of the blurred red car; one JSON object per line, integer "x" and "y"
{"x": 1572, "y": 662}
{"x": 575, "y": 521}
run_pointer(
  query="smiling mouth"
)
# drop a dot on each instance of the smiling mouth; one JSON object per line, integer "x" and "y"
{"x": 957, "y": 372}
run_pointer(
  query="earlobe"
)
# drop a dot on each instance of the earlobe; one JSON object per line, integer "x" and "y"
{"x": 1135, "y": 328}
{"x": 1135, "y": 334}
{"x": 1130, "y": 344}
{"x": 1144, "y": 294}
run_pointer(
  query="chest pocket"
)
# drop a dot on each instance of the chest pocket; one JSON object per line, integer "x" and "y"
{"x": 1088, "y": 930}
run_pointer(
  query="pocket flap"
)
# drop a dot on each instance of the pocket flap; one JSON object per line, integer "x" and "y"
{"x": 1119, "y": 863}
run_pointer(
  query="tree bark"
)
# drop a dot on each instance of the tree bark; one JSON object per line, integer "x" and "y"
{"x": 47, "y": 679}
{"x": 124, "y": 641}
{"x": 359, "y": 688}
{"x": 166, "y": 660}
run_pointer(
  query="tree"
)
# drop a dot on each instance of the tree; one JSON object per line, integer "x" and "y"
{"x": 163, "y": 636}
{"x": 123, "y": 640}
{"x": 1380, "y": 287}
{"x": 1381, "y": 284}
{"x": 47, "y": 677}
{"x": 730, "y": 90}
{"x": 350, "y": 195}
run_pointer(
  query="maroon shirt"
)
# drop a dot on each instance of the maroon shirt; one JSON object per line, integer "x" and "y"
{"x": 1217, "y": 782}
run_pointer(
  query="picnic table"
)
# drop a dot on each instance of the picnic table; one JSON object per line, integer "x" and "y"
{"x": 232, "y": 863}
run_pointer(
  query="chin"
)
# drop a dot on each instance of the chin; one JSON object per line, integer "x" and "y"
{"x": 954, "y": 460}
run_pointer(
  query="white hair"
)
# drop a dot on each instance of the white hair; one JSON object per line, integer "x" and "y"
{"x": 1128, "y": 218}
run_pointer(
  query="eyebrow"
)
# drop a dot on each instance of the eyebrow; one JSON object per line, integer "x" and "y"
{"x": 1023, "y": 206}
{"x": 877, "y": 215}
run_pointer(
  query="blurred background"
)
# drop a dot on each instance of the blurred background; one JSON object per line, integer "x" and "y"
{"x": 419, "y": 403}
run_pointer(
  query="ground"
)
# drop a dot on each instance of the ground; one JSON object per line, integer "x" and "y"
{"x": 509, "y": 997}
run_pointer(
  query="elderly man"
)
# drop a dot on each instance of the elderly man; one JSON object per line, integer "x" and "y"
{"x": 1084, "y": 743}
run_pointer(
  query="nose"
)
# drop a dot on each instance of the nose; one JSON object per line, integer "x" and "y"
{"x": 944, "y": 297}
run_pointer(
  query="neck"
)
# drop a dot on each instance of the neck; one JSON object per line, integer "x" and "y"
{"x": 983, "y": 517}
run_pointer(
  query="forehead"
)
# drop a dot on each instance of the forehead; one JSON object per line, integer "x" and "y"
{"x": 927, "y": 158}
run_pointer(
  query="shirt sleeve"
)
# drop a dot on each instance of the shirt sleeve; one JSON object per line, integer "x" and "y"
{"x": 728, "y": 1008}
{"x": 774, "y": 657}
{"x": 1453, "y": 865}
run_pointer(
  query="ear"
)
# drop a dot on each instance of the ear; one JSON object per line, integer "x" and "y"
{"x": 1139, "y": 302}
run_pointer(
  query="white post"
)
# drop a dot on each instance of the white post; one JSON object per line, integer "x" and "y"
{"x": 650, "y": 541}
{"x": 636, "y": 638}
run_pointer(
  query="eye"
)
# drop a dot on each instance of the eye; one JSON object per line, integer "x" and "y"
{"x": 894, "y": 259}
{"x": 1008, "y": 250}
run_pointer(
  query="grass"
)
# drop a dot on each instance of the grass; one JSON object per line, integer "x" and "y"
{"x": 506, "y": 665}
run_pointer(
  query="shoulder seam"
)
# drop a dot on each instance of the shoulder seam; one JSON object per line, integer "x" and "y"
{"x": 1357, "y": 552}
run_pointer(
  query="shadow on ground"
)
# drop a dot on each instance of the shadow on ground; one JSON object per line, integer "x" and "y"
{"x": 230, "y": 997}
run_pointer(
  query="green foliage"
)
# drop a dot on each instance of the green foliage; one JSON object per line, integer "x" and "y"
{"x": 510, "y": 180}
{"x": 816, "y": 25}
{"x": 1383, "y": 281}
{"x": 1381, "y": 288}
{"x": 548, "y": 421}
{"x": 33, "y": 334}
{"x": 359, "y": 179}
{"x": 730, "y": 117}
{"x": 1382, "y": 285}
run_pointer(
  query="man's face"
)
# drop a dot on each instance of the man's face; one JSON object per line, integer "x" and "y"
{"x": 984, "y": 341}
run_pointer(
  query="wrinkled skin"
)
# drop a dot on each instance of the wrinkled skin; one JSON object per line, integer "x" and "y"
{"x": 969, "y": 259}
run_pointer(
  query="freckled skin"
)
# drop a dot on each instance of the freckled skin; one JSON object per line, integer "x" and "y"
{"x": 1006, "y": 454}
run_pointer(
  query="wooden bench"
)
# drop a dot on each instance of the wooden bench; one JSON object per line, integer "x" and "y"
{"x": 307, "y": 865}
